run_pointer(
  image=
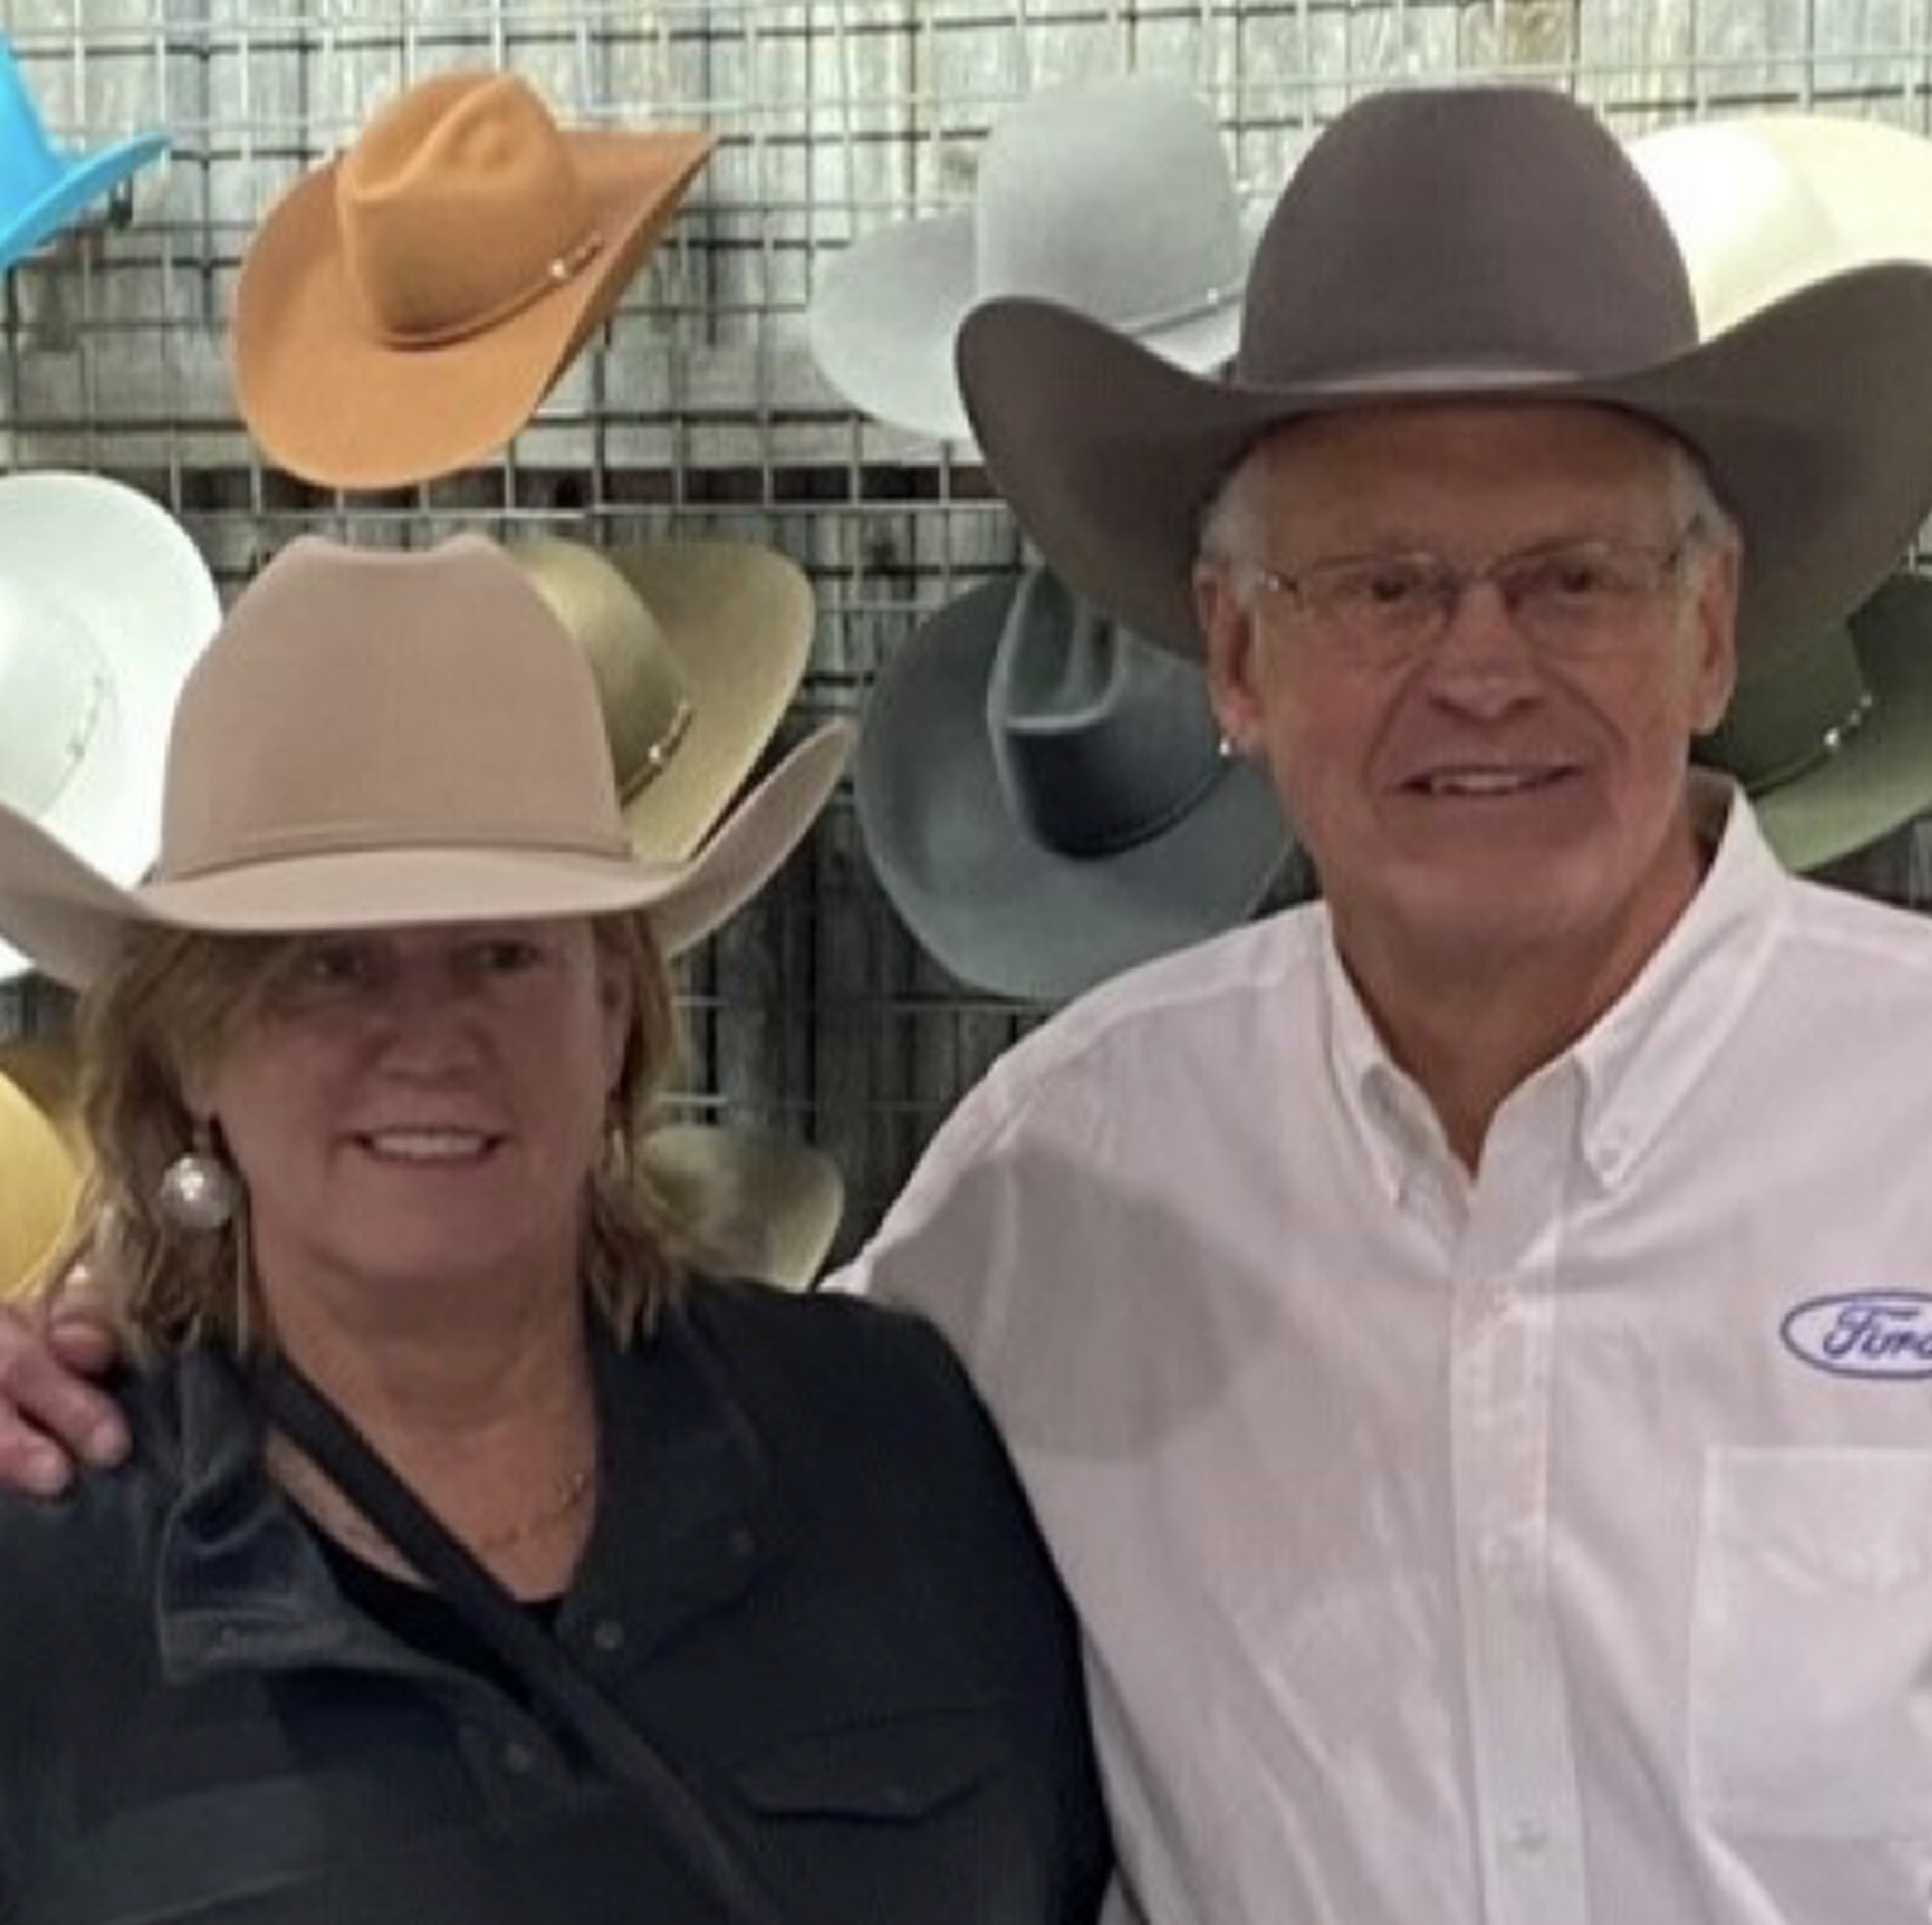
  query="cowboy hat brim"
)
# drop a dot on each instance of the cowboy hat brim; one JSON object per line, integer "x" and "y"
{"x": 883, "y": 326}
{"x": 86, "y": 180}
{"x": 772, "y": 1207}
{"x": 336, "y": 406}
{"x": 739, "y": 620}
{"x": 1108, "y": 455}
{"x": 1879, "y": 774}
{"x": 998, "y": 907}
{"x": 69, "y": 919}
{"x": 138, "y": 583}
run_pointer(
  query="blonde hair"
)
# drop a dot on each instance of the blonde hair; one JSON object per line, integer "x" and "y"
{"x": 157, "y": 1022}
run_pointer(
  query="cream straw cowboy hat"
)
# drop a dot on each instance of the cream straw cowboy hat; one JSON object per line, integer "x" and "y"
{"x": 105, "y": 602}
{"x": 377, "y": 739}
{"x": 698, "y": 649}
{"x": 1478, "y": 243}
{"x": 402, "y": 309}
{"x": 41, "y": 1155}
{"x": 1114, "y": 199}
{"x": 768, "y": 1206}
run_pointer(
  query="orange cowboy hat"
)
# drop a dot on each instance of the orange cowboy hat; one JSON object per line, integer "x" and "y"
{"x": 403, "y": 309}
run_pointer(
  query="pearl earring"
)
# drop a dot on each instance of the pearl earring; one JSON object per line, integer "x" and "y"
{"x": 198, "y": 1191}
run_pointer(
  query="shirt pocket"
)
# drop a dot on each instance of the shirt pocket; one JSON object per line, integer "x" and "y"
{"x": 890, "y": 1769}
{"x": 1811, "y": 1661}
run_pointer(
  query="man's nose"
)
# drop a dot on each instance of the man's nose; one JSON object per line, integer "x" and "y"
{"x": 1483, "y": 657}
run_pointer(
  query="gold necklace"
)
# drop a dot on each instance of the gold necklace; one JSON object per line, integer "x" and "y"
{"x": 317, "y": 1494}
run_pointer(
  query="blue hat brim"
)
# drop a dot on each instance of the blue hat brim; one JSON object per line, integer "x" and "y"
{"x": 90, "y": 177}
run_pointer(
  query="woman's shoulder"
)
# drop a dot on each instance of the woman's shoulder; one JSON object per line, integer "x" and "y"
{"x": 826, "y": 1358}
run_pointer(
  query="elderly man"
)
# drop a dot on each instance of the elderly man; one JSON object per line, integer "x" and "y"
{"x": 1465, "y": 1340}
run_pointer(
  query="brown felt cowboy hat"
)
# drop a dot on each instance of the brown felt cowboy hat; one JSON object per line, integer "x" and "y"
{"x": 1475, "y": 243}
{"x": 375, "y": 739}
{"x": 402, "y": 309}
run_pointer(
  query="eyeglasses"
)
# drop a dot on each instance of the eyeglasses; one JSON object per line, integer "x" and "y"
{"x": 1571, "y": 599}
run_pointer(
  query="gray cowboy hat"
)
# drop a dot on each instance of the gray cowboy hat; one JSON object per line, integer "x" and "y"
{"x": 1474, "y": 242}
{"x": 1834, "y": 747}
{"x": 1045, "y": 798}
{"x": 1114, "y": 199}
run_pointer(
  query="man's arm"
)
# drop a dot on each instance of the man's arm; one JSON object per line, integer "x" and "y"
{"x": 52, "y": 1417}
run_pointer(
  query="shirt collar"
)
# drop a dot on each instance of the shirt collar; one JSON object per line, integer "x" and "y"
{"x": 1641, "y": 1057}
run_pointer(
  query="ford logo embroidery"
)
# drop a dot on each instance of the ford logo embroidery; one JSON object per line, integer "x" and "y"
{"x": 1879, "y": 1333}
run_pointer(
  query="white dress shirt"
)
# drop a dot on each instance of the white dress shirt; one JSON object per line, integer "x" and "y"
{"x": 1544, "y": 1547}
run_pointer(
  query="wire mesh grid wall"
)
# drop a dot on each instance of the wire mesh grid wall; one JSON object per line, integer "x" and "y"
{"x": 697, "y": 413}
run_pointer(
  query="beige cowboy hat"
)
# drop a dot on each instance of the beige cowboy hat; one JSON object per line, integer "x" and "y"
{"x": 1478, "y": 243}
{"x": 1113, "y": 198}
{"x": 768, "y": 1206}
{"x": 41, "y": 1155}
{"x": 376, "y": 740}
{"x": 104, "y": 603}
{"x": 404, "y": 308}
{"x": 698, "y": 649}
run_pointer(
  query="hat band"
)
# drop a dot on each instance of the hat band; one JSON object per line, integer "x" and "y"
{"x": 655, "y": 758}
{"x": 348, "y": 840}
{"x": 558, "y": 271}
{"x": 1821, "y": 751}
{"x": 1155, "y": 320}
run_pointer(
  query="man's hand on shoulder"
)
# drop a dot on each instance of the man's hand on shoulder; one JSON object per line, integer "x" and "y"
{"x": 52, "y": 1416}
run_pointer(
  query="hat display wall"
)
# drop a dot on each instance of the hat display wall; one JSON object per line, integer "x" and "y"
{"x": 1480, "y": 243}
{"x": 769, "y": 1206}
{"x": 403, "y": 311}
{"x": 41, "y": 1155}
{"x": 376, "y": 740}
{"x": 41, "y": 189}
{"x": 1114, "y": 199}
{"x": 698, "y": 649}
{"x": 1835, "y": 748}
{"x": 104, "y": 604}
{"x": 1045, "y": 796}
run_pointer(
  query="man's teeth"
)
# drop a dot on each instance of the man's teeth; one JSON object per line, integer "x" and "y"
{"x": 428, "y": 1145}
{"x": 1485, "y": 781}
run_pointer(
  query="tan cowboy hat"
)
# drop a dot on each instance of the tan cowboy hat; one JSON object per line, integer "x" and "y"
{"x": 1477, "y": 243}
{"x": 768, "y": 1206}
{"x": 378, "y": 739}
{"x": 1834, "y": 748}
{"x": 698, "y": 649}
{"x": 41, "y": 1155}
{"x": 1113, "y": 198}
{"x": 105, "y": 602}
{"x": 402, "y": 309}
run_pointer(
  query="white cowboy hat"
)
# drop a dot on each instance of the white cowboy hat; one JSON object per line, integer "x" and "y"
{"x": 375, "y": 739}
{"x": 1113, "y": 199}
{"x": 104, "y": 603}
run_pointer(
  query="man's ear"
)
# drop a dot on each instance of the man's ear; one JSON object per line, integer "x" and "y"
{"x": 1227, "y": 634}
{"x": 1715, "y": 617}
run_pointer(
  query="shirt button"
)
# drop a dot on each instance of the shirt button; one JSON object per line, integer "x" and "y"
{"x": 518, "y": 1759}
{"x": 1527, "y": 1836}
{"x": 1498, "y": 1554}
{"x": 607, "y": 1635}
{"x": 741, "y": 1542}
